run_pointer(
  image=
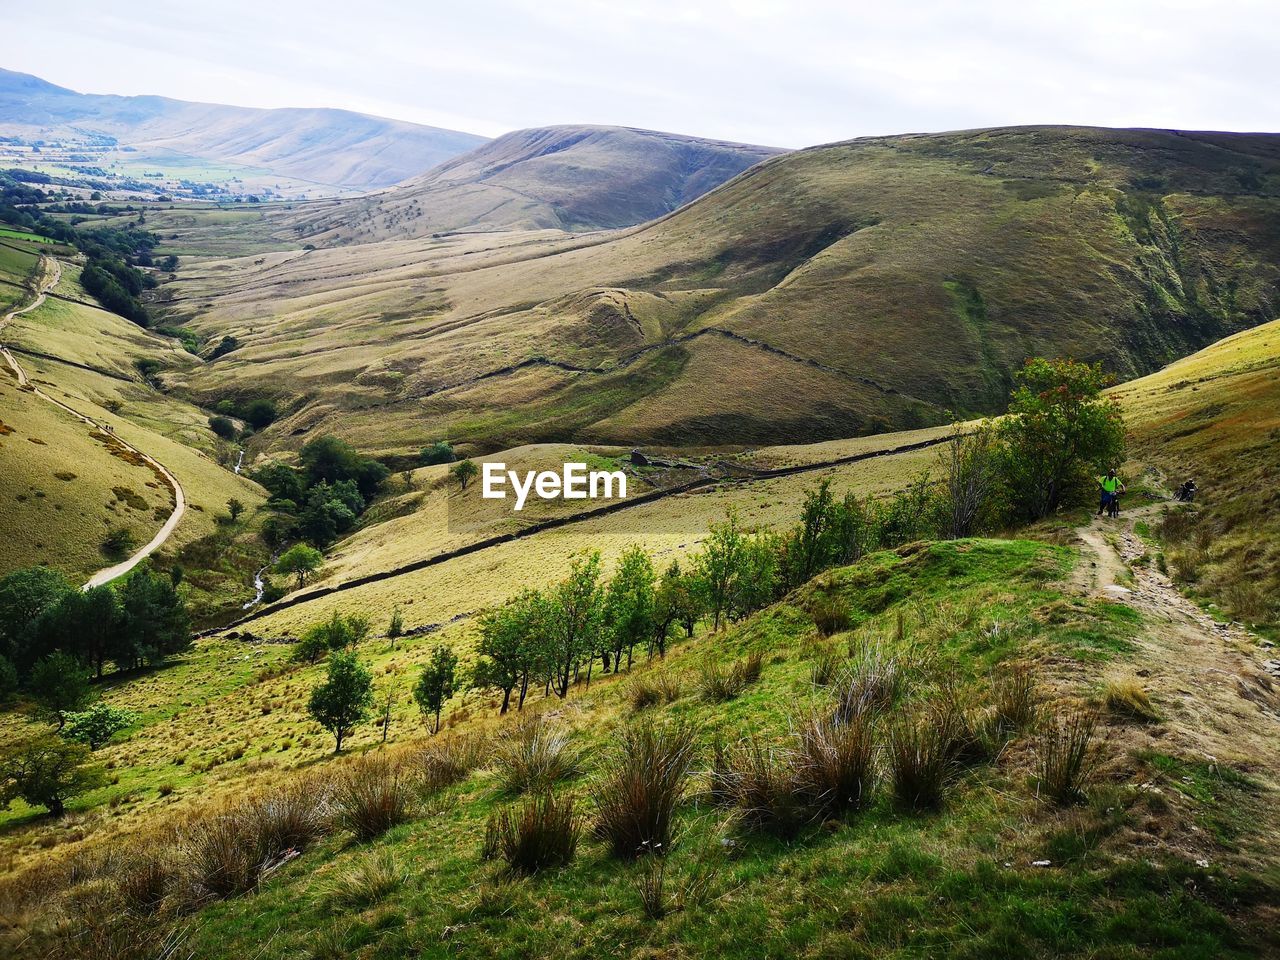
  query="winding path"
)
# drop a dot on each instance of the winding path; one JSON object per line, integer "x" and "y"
{"x": 51, "y": 271}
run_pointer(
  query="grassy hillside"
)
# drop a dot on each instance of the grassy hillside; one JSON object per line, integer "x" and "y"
{"x": 993, "y": 872}
{"x": 66, "y": 485}
{"x": 212, "y": 142}
{"x": 837, "y": 291}
{"x": 563, "y": 178}
{"x": 1215, "y": 417}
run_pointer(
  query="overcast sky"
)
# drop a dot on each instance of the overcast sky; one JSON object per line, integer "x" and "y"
{"x": 764, "y": 71}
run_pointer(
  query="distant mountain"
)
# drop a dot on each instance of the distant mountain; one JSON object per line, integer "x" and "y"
{"x": 350, "y": 150}
{"x": 851, "y": 288}
{"x": 565, "y": 178}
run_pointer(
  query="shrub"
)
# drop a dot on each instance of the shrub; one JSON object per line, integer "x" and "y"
{"x": 541, "y": 832}
{"x": 118, "y": 542}
{"x": 1126, "y": 697}
{"x": 637, "y": 801}
{"x": 372, "y": 878}
{"x": 871, "y": 681}
{"x": 1067, "y": 755}
{"x": 718, "y": 683}
{"x": 372, "y": 797}
{"x": 536, "y": 756}
{"x": 836, "y": 762}
{"x": 1014, "y": 697}
{"x": 447, "y": 761}
{"x": 223, "y": 427}
{"x": 829, "y": 612}
{"x": 919, "y": 760}
{"x": 439, "y": 452}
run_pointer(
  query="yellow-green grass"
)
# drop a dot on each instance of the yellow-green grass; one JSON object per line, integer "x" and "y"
{"x": 887, "y": 283}
{"x": 1215, "y": 416}
{"x": 62, "y": 491}
{"x": 878, "y": 884}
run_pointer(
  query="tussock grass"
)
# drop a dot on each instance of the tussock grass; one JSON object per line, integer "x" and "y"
{"x": 767, "y": 787}
{"x": 370, "y": 879}
{"x": 919, "y": 752}
{"x": 870, "y": 682}
{"x": 718, "y": 682}
{"x": 648, "y": 776}
{"x": 829, "y": 611}
{"x": 654, "y": 687}
{"x": 836, "y": 761}
{"x": 1126, "y": 697}
{"x": 1015, "y": 697}
{"x": 373, "y": 795}
{"x": 535, "y": 756}
{"x": 539, "y": 833}
{"x": 1067, "y": 753}
{"x": 449, "y": 760}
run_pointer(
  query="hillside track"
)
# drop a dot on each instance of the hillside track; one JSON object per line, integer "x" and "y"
{"x": 1211, "y": 681}
{"x": 51, "y": 272}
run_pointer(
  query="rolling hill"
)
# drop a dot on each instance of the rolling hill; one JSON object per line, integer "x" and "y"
{"x": 563, "y": 178}
{"x": 877, "y": 284}
{"x": 337, "y": 148}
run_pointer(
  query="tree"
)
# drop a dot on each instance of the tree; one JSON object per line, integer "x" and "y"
{"x": 676, "y": 601}
{"x": 439, "y": 452}
{"x": 755, "y": 585}
{"x": 47, "y": 771}
{"x": 8, "y": 679}
{"x": 512, "y": 645}
{"x": 630, "y": 603}
{"x": 97, "y": 725}
{"x": 575, "y": 618}
{"x": 301, "y": 560}
{"x": 339, "y": 632}
{"x": 154, "y": 623}
{"x": 24, "y": 595}
{"x": 717, "y": 564}
{"x": 1059, "y": 433}
{"x": 234, "y": 509}
{"x": 223, "y": 427}
{"x": 464, "y": 471}
{"x": 970, "y": 472}
{"x": 343, "y": 698}
{"x": 59, "y": 684}
{"x": 436, "y": 684}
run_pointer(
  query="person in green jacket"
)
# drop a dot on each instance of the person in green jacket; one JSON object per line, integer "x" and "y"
{"x": 1111, "y": 486}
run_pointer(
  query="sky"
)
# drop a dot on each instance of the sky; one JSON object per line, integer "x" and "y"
{"x": 786, "y": 74}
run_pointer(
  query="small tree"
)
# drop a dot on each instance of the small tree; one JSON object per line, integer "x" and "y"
{"x": 677, "y": 602}
{"x": 464, "y": 472}
{"x": 47, "y": 771}
{"x": 439, "y": 452}
{"x": 59, "y": 684}
{"x": 301, "y": 560}
{"x": 97, "y": 725}
{"x": 970, "y": 473}
{"x": 395, "y": 628}
{"x": 718, "y": 564}
{"x": 511, "y": 646}
{"x": 343, "y": 698}
{"x": 629, "y": 603}
{"x": 1059, "y": 432}
{"x": 234, "y": 509}
{"x": 436, "y": 684}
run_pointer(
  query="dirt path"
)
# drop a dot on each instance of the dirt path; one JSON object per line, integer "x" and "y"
{"x": 51, "y": 273}
{"x": 1216, "y": 685}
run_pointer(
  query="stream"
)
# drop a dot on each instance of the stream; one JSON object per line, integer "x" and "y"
{"x": 259, "y": 585}
{"x": 240, "y": 460}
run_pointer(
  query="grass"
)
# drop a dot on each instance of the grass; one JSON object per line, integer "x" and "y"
{"x": 1213, "y": 416}
{"x": 879, "y": 881}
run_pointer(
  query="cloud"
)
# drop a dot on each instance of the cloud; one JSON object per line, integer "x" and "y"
{"x": 788, "y": 74}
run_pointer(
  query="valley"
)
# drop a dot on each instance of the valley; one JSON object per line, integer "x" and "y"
{"x": 857, "y": 666}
